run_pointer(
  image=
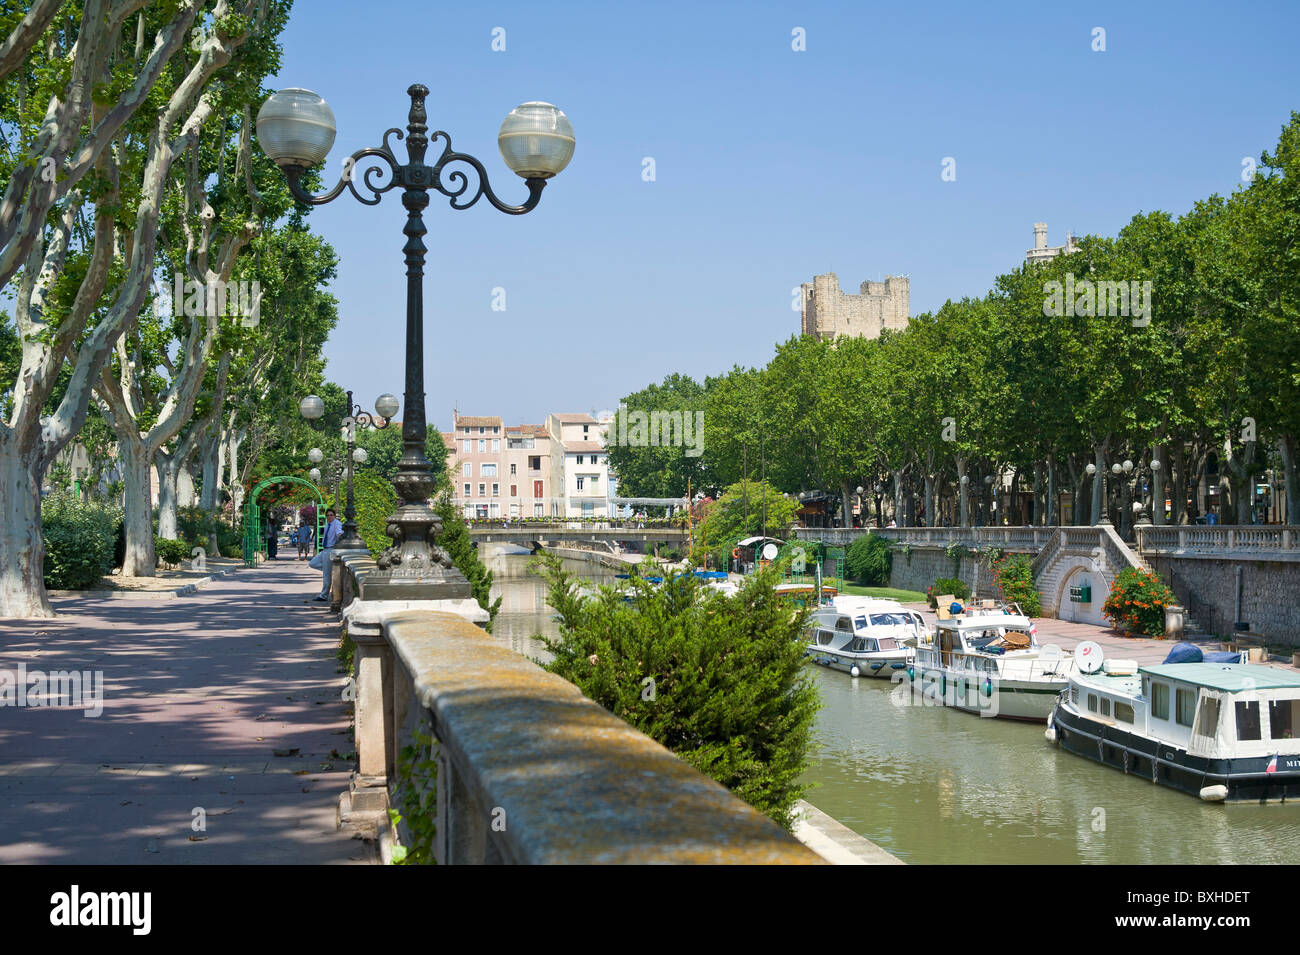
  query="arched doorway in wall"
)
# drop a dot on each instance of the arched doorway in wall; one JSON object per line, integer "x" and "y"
{"x": 1083, "y": 592}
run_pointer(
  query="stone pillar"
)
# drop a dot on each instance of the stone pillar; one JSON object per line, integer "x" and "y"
{"x": 365, "y": 804}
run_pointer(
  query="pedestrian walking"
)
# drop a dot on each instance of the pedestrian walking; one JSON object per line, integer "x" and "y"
{"x": 333, "y": 531}
{"x": 272, "y": 540}
{"x": 305, "y": 534}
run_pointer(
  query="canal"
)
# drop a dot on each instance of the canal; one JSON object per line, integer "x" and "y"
{"x": 932, "y": 785}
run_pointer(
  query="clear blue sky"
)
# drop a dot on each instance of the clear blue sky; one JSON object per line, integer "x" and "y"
{"x": 771, "y": 166}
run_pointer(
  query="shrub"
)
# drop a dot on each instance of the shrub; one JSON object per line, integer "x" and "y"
{"x": 950, "y": 585}
{"x": 868, "y": 560}
{"x": 195, "y": 525}
{"x": 1137, "y": 601}
{"x": 455, "y": 540}
{"x": 170, "y": 551}
{"x": 1014, "y": 577}
{"x": 375, "y": 500}
{"x": 729, "y": 694}
{"x": 79, "y": 540}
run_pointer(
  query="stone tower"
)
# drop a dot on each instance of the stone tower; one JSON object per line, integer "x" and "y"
{"x": 828, "y": 312}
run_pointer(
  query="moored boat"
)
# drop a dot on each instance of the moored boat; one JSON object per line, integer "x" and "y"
{"x": 989, "y": 662}
{"x": 1226, "y": 732}
{"x": 863, "y": 636}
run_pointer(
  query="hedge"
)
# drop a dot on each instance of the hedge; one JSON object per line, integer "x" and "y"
{"x": 79, "y": 540}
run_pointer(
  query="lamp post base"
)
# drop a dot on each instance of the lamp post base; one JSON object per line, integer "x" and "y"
{"x": 415, "y": 567}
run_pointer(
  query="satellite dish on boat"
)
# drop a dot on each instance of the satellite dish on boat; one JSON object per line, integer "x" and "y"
{"x": 1088, "y": 656}
{"x": 770, "y": 551}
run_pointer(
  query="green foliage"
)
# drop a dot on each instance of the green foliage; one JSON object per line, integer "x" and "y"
{"x": 739, "y": 514}
{"x": 415, "y": 793}
{"x": 455, "y": 540}
{"x": 375, "y": 501}
{"x": 719, "y": 680}
{"x": 1014, "y": 576}
{"x": 170, "y": 551}
{"x": 1137, "y": 602}
{"x": 950, "y": 585}
{"x": 79, "y": 540}
{"x": 869, "y": 559}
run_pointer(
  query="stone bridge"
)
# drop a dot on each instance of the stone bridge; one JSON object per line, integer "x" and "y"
{"x": 535, "y": 534}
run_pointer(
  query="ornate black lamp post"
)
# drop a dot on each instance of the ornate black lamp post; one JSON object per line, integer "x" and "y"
{"x": 296, "y": 130}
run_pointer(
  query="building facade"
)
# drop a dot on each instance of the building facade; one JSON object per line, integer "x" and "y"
{"x": 579, "y": 466}
{"x": 1041, "y": 252}
{"x": 829, "y": 312}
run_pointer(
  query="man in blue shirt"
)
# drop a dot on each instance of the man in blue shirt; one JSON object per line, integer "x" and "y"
{"x": 333, "y": 531}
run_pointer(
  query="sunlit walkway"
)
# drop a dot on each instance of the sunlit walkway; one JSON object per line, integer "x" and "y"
{"x": 199, "y": 693}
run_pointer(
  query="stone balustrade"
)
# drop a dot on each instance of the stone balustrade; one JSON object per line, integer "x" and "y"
{"x": 528, "y": 769}
{"x": 1271, "y": 542}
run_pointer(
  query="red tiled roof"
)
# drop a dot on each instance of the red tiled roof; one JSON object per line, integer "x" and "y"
{"x": 575, "y": 419}
{"x": 581, "y": 447}
{"x": 481, "y": 421}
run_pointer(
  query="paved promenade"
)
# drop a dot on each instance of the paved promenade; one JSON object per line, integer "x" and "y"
{"x": 198, "y": 694}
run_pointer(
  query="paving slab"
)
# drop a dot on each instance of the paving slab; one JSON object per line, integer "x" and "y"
{"x": 198, "y": 691}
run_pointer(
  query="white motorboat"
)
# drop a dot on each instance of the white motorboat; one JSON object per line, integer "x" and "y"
{"x": 989, "y": 662}
{"x": 1227, "y": 732}
{"x": 864, "y": 636}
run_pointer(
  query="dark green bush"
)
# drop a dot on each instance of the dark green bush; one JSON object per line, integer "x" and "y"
{"x": 79, "y": 538}
{"x": 455, "y": 540}
{"x": 951, "y": 585}
{"x": 719, "y": 680}
{"x": 868, "y": 560}
{"x": 170, "y": 551}
{"x": 195, "y": 525}
{"x": 375, "y": 501}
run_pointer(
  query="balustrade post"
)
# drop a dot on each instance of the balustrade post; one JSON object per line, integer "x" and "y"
{"x": 366, "y": 802}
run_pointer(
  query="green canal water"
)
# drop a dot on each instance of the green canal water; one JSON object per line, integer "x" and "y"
{"x": 933, "y": 785}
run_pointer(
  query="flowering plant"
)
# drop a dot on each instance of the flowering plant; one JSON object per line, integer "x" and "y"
{"x": 1137, "y": 602}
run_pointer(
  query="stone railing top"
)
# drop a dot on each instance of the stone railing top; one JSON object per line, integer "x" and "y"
{"x": 1259, "y": 541}
{"x": 577, "y": 784}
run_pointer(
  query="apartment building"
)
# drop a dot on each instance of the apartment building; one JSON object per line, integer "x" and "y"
{"x": 477, "y": 464}
{"x": 528, "y": 467}
{"x": 579, "y": 466}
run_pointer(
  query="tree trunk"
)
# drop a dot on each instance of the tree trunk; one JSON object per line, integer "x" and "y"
{"x": 138, "y": 523}
{"x": 1286, "y": 447}
{"x": 931, "y": 501}
{"x": 963, "y": 496}
{"x": 900, "y": 495}
{"x": 1158, "y": 486}
{"x": 185, "y": 486}
{"x": 168, "y": 472}
{"x": 847, "y": 503}
{"x": 22, "y": 548}
{"x": 1049, "y": 512}
{"x": 1099, "y": 506}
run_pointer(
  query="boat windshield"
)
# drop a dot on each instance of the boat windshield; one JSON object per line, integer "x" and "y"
{"x": 887, "y": 643}
{"x": 884, "y": 620}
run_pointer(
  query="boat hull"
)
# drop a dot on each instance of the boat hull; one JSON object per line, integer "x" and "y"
{"x": 882, "y": 664}
{"x": 986, "y": 695}
{"x": 1242, "y": 780}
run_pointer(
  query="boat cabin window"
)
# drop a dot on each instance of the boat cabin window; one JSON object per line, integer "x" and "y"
{"x": 1105, "y": 706}
{"x": 1160, "y": 701}
{"x": 888, "y": 620}
{"x": 1209, "y": 724}
{"x": 1185, "y": 703}
{"x": 1092, "y": 702}
{"x": 1074, "y": 695}
{"x": 845, "y": 624}
{"x": 887, "y": 643}
{"x": 824, "y": 637}
{"x": 1283, "y": 718}
{"x": 1123, "y": 712}
{"x": 862, "y": 644}
{"x": 1248, "y": 720}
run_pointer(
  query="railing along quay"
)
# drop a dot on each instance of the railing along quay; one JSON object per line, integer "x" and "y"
{"x": 528, "y": 770}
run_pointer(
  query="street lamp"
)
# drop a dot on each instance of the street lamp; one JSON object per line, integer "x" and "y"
{"x": 296, "y": 129}
{"x": 880, "y": 490}
{"x": 1104, "y": 517}
{"x": 350, "y": 539}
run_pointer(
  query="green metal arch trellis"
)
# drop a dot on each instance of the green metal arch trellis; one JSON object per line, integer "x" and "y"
{"x": 254, "y": 540}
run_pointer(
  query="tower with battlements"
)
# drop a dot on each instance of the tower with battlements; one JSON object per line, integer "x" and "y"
{"x": 829, "y": 313}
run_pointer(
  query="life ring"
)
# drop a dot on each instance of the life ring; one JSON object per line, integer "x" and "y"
{"x": 735, "y": 552}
